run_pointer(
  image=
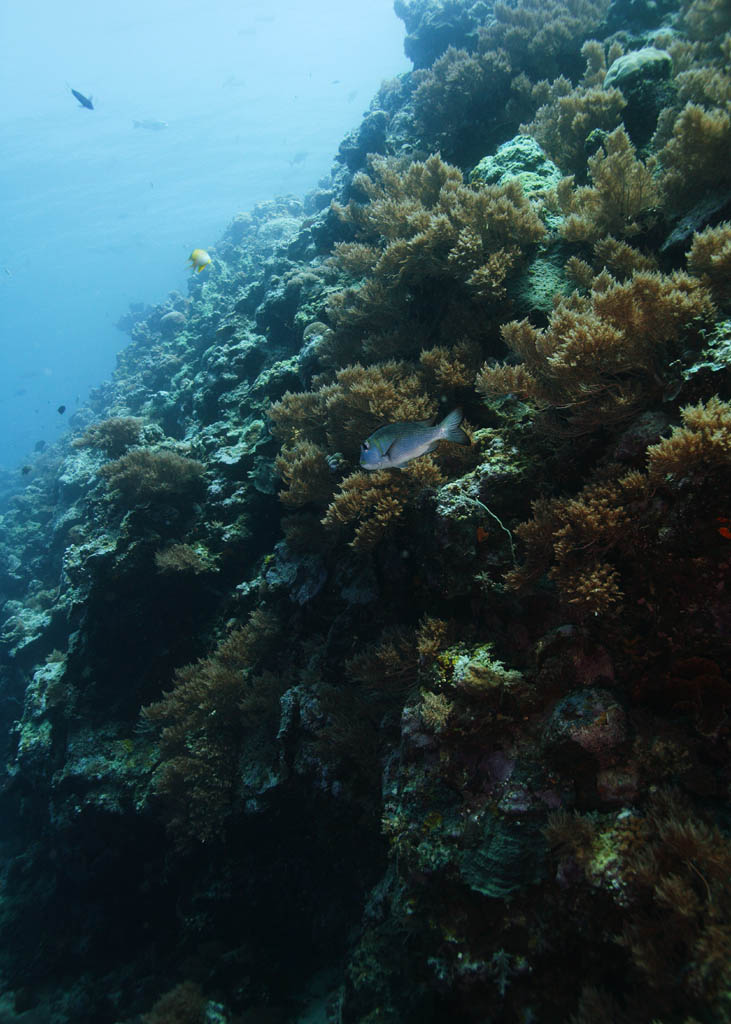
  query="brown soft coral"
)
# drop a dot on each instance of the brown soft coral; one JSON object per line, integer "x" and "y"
{"x": 340, "y": 414}
{"x": 710, "y": 259}
{"x": 567, "y": 117}
{"x": 434, "y": 253}
{"x": 305, "y": 470}
{"x": 145, "y": 475}
{"x": 351, "y": 407}
{"x": 695, "y": 159}
{"x": 112, "y": 436}
{"x": 603, "y": 357}
{"x": 204, "y": 720}
{"x": 700, "y": 446}
{"x": 540, "y": 35}
{"x": 376, "y": 501}
{"x": 677, "y": 929}
{"x": 615, "y": 536}
{"x": 573, "y": 539}
{"x": 460, "y": 93}
{"x": 623, "y": 190}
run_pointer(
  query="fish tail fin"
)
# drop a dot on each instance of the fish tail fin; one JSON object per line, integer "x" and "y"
{"x": 451, "y": 430}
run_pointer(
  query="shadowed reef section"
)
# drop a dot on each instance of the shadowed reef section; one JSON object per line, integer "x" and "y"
{"x": 291, "y": 741}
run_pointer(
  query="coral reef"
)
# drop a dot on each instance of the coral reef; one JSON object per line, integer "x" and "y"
{"x": 286, "y": 740}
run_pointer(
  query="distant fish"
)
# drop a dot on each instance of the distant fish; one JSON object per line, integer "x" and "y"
{"x": 85, "y": 101}
{"x": 396, "y": 444}
{"x": 151, "y": 126}
{"x": 299, "y": 158}
{"x": 199, "y": 259}
{"x": 351, "y": 95}
{"x": 26, "y": 470}
{"x": 39, "y": 446}
{"x": 61, "y": 410}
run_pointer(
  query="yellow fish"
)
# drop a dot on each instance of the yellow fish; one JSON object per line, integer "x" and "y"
{"x": 199, "y": 259}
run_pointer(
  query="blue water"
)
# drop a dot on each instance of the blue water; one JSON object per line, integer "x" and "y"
{"x": 96, "y": 214}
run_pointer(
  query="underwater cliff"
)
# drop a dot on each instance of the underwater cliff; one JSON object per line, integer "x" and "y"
{"x": 289, "y": 740}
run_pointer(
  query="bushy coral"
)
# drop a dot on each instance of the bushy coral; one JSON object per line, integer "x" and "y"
{"x": 375, "y": 501}
{"x": 184, "y": 1004}
{"x": 203, "y": 722}
{"x": 588, "y": 543}
{"x": 700, "y": 447}
{"x": 542, "y": 38}
{"x": 677, "y": 933}
{"x": 695, "y": 158}
{"x": 304, "y": 468}
{"x": 184, "y": 558}
{"x": 434, "y": 254}
{"x": 460, "y": 96}
{"x": 710, "y": 258}
{"x": 567, "y": 117}
{"x": 623, "y": 191}
{"x": 605, "y": 356}
{"x": 113, "y": 436}
{"x": 323, "y": 430}
{"x": 397, "y": 669}
{"x": 146, "y": 475}
{"x": 575, "y": 536}
{"x": 342, "y": 413}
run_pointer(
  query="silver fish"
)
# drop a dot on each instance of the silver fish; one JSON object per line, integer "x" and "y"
{"x": 396, "y": 444}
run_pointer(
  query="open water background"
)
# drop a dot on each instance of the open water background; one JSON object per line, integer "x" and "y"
{"x": 96, "y": 214}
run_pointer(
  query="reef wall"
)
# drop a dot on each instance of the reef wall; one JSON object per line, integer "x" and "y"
{"x": 290, "y": 740}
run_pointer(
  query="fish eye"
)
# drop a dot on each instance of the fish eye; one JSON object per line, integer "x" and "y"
{"x": 364, "y": 446}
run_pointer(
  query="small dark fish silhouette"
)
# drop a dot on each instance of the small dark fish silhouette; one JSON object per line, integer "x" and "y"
{"x": 26, "y": 470}
{"x": 39, "y": 446}
{"x": 61, "y": 409}
{"x": 85, "y": 101}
